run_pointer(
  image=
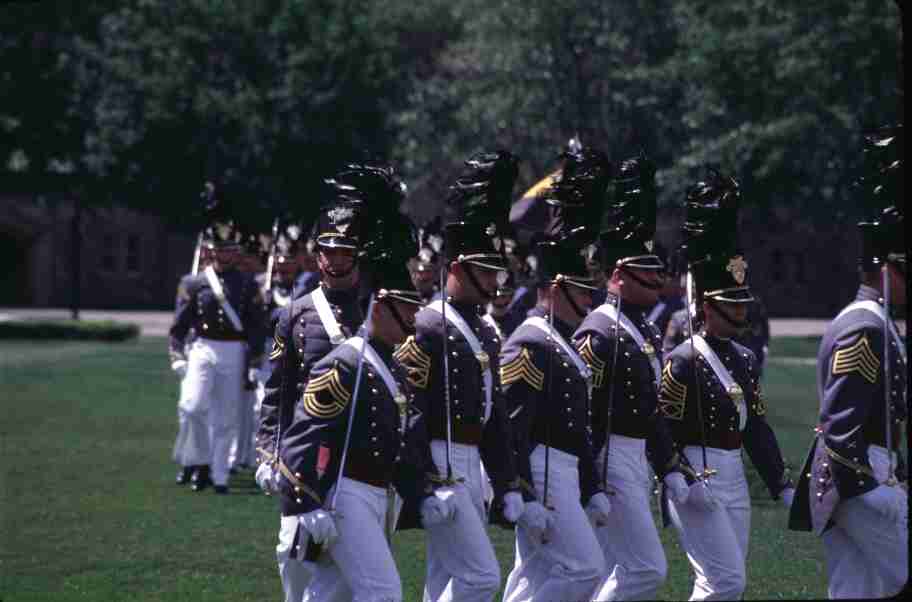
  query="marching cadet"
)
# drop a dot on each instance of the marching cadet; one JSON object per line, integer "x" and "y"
{"x": 848, "y": 492}
{"x": 225, "y": 309}
{"x": 452, "y": 362}
{"x": 424, "y": 268}
{"x": 620, "y": 346}
{"x": 311, "y": 327}
{"x": 182, "y": 451}
{"x": 546, "y": 384}
{"x": 711, "y": 394}
{"x": 671, "y": 297}
{"x": 497, "y": 316}
{"x": 354, "y": 434}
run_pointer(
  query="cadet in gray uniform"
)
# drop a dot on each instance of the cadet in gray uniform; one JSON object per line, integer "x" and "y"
{"x": 848, "y": 491}
{"x": 711, "y": 394}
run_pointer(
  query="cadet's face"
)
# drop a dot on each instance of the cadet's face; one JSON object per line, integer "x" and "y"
{"x": 407, "y": 311}
{"x": 639, "y": 294}
{"x": 487, "y": 280}
{"x": 581, "y": 296}
{"x": 225, "y": 258}
{"x": 335, "y": 261}
{"x": 716, "y": 322}
{"x": 423, "y": 279}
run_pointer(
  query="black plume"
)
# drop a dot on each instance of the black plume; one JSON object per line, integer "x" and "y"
{"x": 711, "y": 222}
{"x": 580, "y": 190}
{"x": 882, "y": 182}
{"x": 376, "y": 188}
{"x": 631, "y": 211}
{"x": 484, "y": 191}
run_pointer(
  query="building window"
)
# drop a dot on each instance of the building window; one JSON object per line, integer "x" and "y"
{"x": 132, "y": 253}
{"x": 109, "y": 253}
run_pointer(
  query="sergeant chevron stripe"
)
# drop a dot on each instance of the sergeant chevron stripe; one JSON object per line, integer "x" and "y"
{"x": 857, "y": 358}
{"x": 672, "y": 395}
{"x": 596, "y": 365}
{"x": 521, "y": 367}
{"x": 325, "y": 396}
{"x": 416, "y": 362}
{"x": 278, "y": 348}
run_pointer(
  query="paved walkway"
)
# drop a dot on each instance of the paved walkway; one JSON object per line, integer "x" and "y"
{"x": 157, "y": 323}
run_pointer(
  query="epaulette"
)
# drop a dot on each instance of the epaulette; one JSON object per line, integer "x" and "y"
{"x": 416, "y": 362}
{"x": 596, "y": 365}
{"x": 521, "y": 367}
{"x": 325, "y": 395}
{"x": 857, "y": 357}
{"x": 672, "y": 395}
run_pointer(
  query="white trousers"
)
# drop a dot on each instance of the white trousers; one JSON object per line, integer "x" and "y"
{"x": 569, "y": 565}
{"x": 295, "y": 573}
{"x": 634, "y": 558}
{"x": 461, "y": 565}
{"x": 243, "y": 445}
{"x": 208, "y": 410}
{"x": 358, "y": 566}
{"x": 866, "y": 556}
{"x": 716, "y": 542}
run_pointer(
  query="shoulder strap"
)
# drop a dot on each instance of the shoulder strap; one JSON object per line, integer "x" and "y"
{"x": 219, "y": 292}
{"x": 484, "y": 361}
{"x": 611, "y": 312}
{"x": 328, "y": 319}
{"x": 542, "y": 324}
{"x": 728, "y": 382}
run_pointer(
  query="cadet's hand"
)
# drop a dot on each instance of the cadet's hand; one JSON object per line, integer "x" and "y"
{"x": 265, "y": 478}
{"x": 435, "y": 511}
{"x": 179, "y": 367}
{"x": 701, "y": 497}
{"x": 676, "y": 487}
{"x": 786, "y": 496}
{"x": 536, "y": 520}
{"x": 513, "y": 506}
{"x": 891, "y": 502}
{"x": 320, "y": 525}
{"x": 598, "y": 508}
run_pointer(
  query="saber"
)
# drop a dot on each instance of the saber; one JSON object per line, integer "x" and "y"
{"x": 548, "y": 396}
{"x": 891, "y": 479}
{"x": 446, "y": 378}
{"x": 691, "y": 310}
{"x": 617, "y": 343}
{"x": 270, "y": 263}
{"x": 365, "y": 328}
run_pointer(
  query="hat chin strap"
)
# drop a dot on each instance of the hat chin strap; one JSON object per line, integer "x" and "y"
{"x": 562, "y": 286}
{"x": 398, "y": 317}
{"x": 640, "y": 281}
{"x": 344, "y": 274}
{"x": 739, "y": 324}
{"x": 469, "y": 269}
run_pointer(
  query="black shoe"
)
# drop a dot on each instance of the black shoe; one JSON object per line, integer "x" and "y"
{"x": 221, "y": 489}
{"x": 200, "y": 478}
{"x": 183, "y": 475}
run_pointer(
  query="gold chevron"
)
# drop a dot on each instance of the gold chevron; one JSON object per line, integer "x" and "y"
{"x": 325, "y": 395}
{"x": 592, "y": 360}
{"x": 672, "y": 395}
{"x": 522, "y": 367}
{"x": 416, "y": 362}
{"x": 278, "y": 348}
{"x": 857, "y": 358}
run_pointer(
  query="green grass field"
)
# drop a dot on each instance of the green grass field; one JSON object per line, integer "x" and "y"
{"x": 90, "y": 511}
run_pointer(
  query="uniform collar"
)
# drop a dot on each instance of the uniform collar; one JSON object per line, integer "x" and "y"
{"x": 383, "y": 350}
{"x": 866, "y": 293}
{"x": 465, "y": 309}
{"x": 340, "y": 296}
{"x": 631, "y": 310}
{"x": 716, "y": 342}
{"x": 562, "y": 328}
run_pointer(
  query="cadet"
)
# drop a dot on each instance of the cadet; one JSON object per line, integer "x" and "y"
{"x": 310, "y": 328}
{"x": 225, "y": 309}
{"x": 424, "y": 268}
{"x": 183, "y": 452}
{"x": 354, "y": 434}
{"x": 711, "y": 394}
{"x": 848, "y": 491}
{"x": 547, "y": 384}
{"x": 620, "y": 346}
{"x": 453, "y": 364}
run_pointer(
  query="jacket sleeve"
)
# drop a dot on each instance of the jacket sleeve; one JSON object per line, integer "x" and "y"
{"x": 308, "y": 450}
{"x": 523, "y": 383}
{"x": 852, "y": 382}
{"x": 184, "y": 308}
{"x": 760, "y": 441}
{"x": 496, "y": 447}
{"x": 281, "y": 387}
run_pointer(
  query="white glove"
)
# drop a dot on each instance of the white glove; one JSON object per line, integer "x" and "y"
{"x": 786, "y": 496}
{"x": 513, "y": 506}
{"x": 320, "y": 525}
{"x": 701, "y": 498}
{"x": 536, "y": 520}
{"x": 598, "y": 508}
{"x": 888, "y": 501}
{"x": 265, "y": 478}
{"x": 435, "y": 511}
{"x": 676, "y": 486}
{"x": 179, "y": 367}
